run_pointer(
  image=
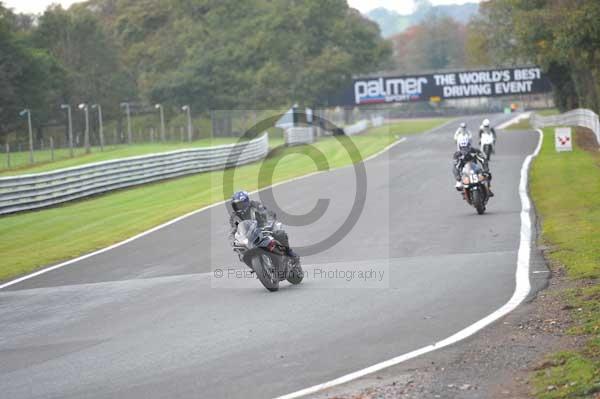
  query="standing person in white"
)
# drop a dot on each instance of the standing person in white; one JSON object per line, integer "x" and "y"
{"x": 462, "y": 131}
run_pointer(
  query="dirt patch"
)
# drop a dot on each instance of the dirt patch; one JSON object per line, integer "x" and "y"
{"x": 496, "y": 363}
{"x": 586, "y": 139}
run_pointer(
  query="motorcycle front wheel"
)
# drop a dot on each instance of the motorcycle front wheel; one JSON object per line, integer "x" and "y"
{"x": 265, "y": 270}
{"x": 487, "y": 149}
{"x": 478, "y": 202}
{"x": 295, "y": 275}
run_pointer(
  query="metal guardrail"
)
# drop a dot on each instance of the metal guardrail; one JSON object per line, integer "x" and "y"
{"x": 356, "y": 128}
{"x": 307, "y": 135}
{"x": 26, "y": 192}
{"x": 299, "y": 135}
{"x": 363, "y": 125}
{"x": 577, "y": 117}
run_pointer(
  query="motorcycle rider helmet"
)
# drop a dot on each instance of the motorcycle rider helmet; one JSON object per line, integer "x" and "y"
{"x": 486, "y": 123}
{"x": 464, "y": 145}
{"x": 240, "y": 202}
{"x": 463, "y": 125}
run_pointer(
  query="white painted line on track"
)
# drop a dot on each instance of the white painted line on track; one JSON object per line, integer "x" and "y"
{"x": 514, "y": 120}
{"x": 522, "y": 289}
{"x": 442, "y": 126}
{"x": 177, "y": 219}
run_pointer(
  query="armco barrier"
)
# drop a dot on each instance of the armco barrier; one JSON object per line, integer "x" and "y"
{"x": 19, "y": 193}
{"x": 299, "y": 135}
{"x": 306, "y": 135}
{"x": 377, "y": 121}
{"x": 577, "y": 117}
{"x": 356, "y": 128}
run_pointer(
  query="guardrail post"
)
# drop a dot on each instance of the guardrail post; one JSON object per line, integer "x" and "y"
{"x": 31, "y": 160}
{"x": 100, "y": 127}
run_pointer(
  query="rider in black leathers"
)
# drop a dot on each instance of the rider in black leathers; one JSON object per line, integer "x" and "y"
{"x": 465, "y": 154}
{"x": 243, "y": 208}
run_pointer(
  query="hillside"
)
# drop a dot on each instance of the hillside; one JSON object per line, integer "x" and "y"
{"x": 391, "y": 22}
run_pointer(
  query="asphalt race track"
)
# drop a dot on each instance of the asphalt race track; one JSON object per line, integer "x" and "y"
{"x": 145, "y": 320}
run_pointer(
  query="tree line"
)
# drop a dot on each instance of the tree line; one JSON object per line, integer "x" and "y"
{"x": 225, "y": 54}
{"x": 562, "y": 37}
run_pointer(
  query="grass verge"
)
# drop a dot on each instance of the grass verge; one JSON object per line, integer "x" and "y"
{"x": 566, "y": 191}
{"x": 35, "y": 239}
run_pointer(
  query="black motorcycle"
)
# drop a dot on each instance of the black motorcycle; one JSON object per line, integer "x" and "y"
{"x": 475, "y": 186}
{"x": 266, "y": 256}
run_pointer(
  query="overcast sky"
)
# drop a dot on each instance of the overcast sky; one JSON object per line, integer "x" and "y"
{"x": 402, "y": 6}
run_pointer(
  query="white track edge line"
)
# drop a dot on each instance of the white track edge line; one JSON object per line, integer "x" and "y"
{"x": 514, "y": 120}
{"x": 179, "y": 218}
{"x": 522, "y": 289}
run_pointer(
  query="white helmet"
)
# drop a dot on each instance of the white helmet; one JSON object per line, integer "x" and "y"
{"x": 486, "y": 123}
{"x": 464, "y": 144}
{"x": 463, "y": 125}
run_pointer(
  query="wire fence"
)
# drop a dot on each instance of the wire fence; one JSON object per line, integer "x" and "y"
{"x": 51, "y": 142}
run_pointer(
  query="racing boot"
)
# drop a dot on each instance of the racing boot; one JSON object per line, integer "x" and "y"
{"x": 294, "y": 258}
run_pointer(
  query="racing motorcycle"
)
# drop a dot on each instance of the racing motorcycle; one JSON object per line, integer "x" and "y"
{"x": 475, "y": 189}
{"x": 487, "y": 144}
{"x": 266, "y": 256}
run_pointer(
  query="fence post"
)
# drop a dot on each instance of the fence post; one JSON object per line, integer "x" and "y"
{"x": 152, "y": 135}
{"x": 51, "y": 148}
{"x": 7, "y": 155}
{"x": 181, "y": 130}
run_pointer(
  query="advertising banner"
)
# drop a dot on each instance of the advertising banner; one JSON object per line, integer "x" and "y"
{"x": 444, "y": 86}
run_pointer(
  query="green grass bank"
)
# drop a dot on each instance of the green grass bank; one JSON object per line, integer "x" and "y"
{"x": 565, "y": 188}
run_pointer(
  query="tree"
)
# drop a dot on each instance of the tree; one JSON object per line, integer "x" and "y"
{"x": 88, "y": 55}
{"x": 28, "y": 77}
{"x": 436, "y": 43}
{"x": 562, "y": 37}
{"x": 235, "y": 54}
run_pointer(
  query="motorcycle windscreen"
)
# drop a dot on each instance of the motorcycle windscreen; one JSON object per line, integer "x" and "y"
{"x": 247, "y": 232}
{"x": 470, "y": 168}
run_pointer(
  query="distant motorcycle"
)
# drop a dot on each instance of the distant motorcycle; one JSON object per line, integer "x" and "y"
{"x": 487, "y": 145}
{"x": 475, "y": 189}
{"x": 265, "y": 255}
